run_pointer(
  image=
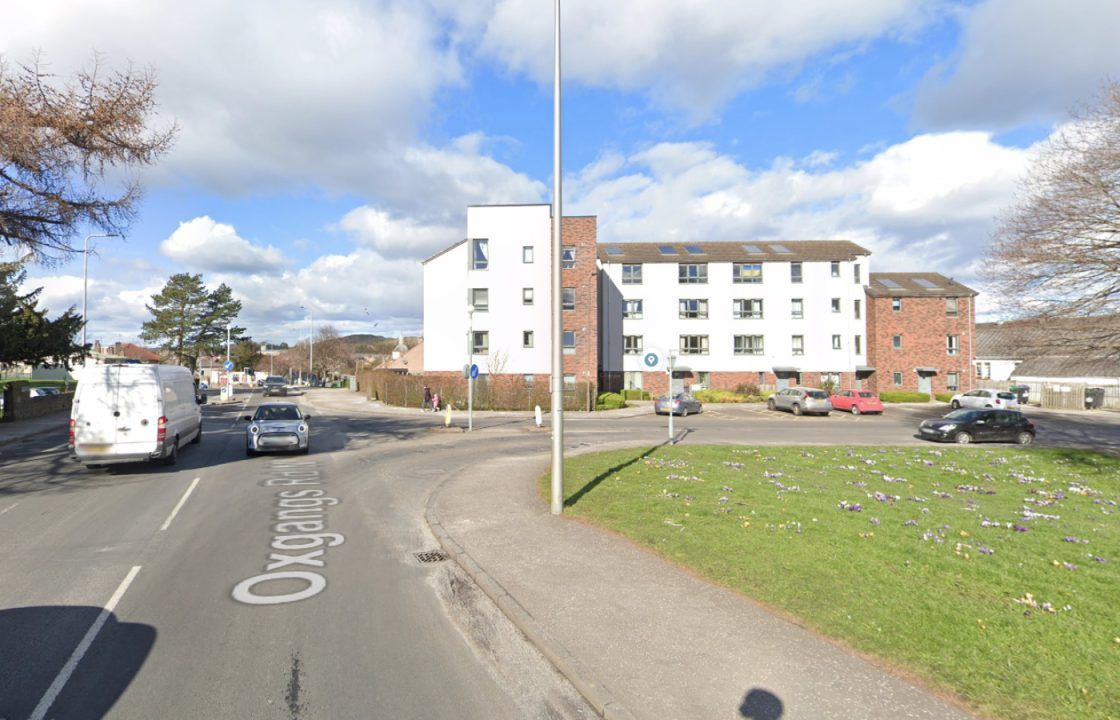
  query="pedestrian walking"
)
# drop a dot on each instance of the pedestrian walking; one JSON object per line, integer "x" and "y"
{"x": 435, "y": 402}
{"x": 427, "y": 399}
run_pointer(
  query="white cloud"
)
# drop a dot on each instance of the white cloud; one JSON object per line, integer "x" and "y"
{"x": 204, "y": 244}
{"x": 689, "y": 56}
{"x": 1020, "y": 61}
{"x": 397, "y": 237}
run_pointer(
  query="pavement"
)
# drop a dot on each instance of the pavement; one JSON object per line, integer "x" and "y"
{"x": 637, "y": 636}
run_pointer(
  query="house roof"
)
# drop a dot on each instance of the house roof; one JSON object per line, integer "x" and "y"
{"x": 412, "y": 361}
{"x": 756, "y": 251}
{"x": 915, "y": 284}
{"x": 1053, "y": 347}
{"x": 425, "y": 261}
{"x": 1067, "y": 366}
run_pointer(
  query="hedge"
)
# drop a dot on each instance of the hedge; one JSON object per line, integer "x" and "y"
{"x": 903, "y": 396}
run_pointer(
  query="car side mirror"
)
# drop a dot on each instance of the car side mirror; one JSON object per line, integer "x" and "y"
{"x": 246, "y": 417}
{"x": 306, "y": 417}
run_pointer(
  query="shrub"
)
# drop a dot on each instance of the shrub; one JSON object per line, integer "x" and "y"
{"x": 901, "y": 396}
{"x": 719, "y": 396}
{"x": 635, "y": 395}
{"x": 944, "y": 397}
{"x": 748, "y": 389}
{"x": 610, "y": 401}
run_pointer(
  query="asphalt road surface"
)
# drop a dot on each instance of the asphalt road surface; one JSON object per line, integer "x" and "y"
{"x": 294, "y": 586}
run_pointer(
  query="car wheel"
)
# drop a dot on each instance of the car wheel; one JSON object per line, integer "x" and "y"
{"x": 684, "y": 412}
{"x": 855, "y": 409}
{"x": 197, "y": 436}
{"x": 250, "y": 452}
{"x": 770, "y": 404}
{"x": 173, "y": 454}
{"x": 1024, "y": 438}
{"x": 963, "y": 438}
{"x": 955, "y": 405}
{"x": 796, "y": 409}
{"x": 306, "y": 450}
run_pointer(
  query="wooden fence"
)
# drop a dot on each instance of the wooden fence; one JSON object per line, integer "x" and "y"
{"x": 1072, "y": 396}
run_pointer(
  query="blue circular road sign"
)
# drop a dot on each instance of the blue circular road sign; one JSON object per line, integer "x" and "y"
{"x": 650, "y": 359}
{"x": 228, "y": 365}
{"x": 474, "y": 371}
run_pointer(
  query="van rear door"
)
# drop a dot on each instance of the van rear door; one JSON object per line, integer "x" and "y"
{"x": 95, "y": 427}
{"x": 138, "y": 409}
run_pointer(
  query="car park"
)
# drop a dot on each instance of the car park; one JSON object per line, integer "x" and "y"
{"x": 277, "y": 426}
{"x": 275, "y": 385}
{"x": 979, "y": 425}
{"x": 681, "y": 404}
{"x": 856, "y": 402}
{"x": 800, "y": 400}
{"x": 985, "y": 398}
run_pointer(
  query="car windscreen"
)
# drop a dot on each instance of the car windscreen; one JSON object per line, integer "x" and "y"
{"x": 963, "y": 415}
{"x": 277, "y": 412}
{"x": 274, "y": 380}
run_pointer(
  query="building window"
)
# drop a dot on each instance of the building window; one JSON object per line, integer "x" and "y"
{"x": 747, "y": 309}
{"x": 984, "y": 371}
{"x": 797, "y": 344}
{"x": 631, "y": 344}
{"x": 856, "y": 309}
{"x": 835, "y": 268}
{"x": 632, "y": 380}
{"x": 568, "y": 257}
{"x": 527, "y": 380}
{"x": 952, "y": 345}
{"x": 527, "y": 254}
{"x": 896, "y": 304}
{"x": 526, "y": 296}
{"x": 569, "y": 342}
{"x": 857, "y": 344}
{"x": 632, "y": 309}
{"x": 480, "y": 299}
{"x": 855, "y": 273}
{"x": 527, "y": 338}
{"x": 952, "y": 307}
{"x": 748, "y": 345}
{"x": 830, "y": 379}
{"x": 896, "y": 342}
{"x": 693, "y": 309}
{"x": 480, "y": 254}
{"x": 694, "y": 344}
{"x": 836, "y": 342}
{"x": 632, "y": 274}
{"x": 795, "y": 272}
{"x": 797, "y": 308}
{"x": 570, "y": 379}
{"x": 692, "y": 273}
{"x": 897, "y": 377}
{"x": 480, "y": 342}
{"x": 835, "y": 305}
{"x": 952, "y": 381}
{"x": 705, "y": 378}
{"x": 746, "y": 273}
{"x": 568, "y": 298}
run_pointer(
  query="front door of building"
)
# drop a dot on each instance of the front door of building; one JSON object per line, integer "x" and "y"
{"x": 925, "y": 383}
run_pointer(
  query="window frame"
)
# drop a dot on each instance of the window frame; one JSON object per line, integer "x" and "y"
{"x": 896, "y": 304}
{"x": 952, "y": 345}
{"x": 699, "y": 313}
{"x": 836, "y": 343}
{"x": 685, "y": 345}
{"x": 479, "y": 307}
{"x": 631, "y": 273}
{"x": 527, "y": 339}
{"x": 628, "y": 313}
{"x": 742, "y": 274}
{"x": 797, "y": 308}
{"x": 568, "y": 348}
{"x": 527, "y": 254}
{"x": 692, "y": 273}
{"x": 744, "y": 345}
{"x": 480, "y": 348}
{"x": 568, "y": 298}
{"x": 632, "y": 345}
{"x": 527, "y": 296}
{"x": 896, "y": 342}
{"x": 568, "y": 257}
{"x": 796, "y": 272}
{"x": 952, "y": 307}
{"x": 477, "y": 263}
{"x": 744, "y": 309}
{"x": 797, "y": 345}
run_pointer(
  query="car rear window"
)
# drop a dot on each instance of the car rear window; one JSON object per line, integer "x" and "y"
{"x": 818, "y": 394}
{"x": 1006, "y": 395}
{"x": 867, "y": 394}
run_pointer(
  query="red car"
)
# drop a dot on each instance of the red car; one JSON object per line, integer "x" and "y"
{"x": 857, "y": 402}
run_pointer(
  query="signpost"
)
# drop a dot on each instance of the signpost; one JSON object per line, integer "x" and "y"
{"x": 227, "y": 388}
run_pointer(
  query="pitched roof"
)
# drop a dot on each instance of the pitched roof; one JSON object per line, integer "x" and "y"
{"x": 1052, "y": 347}
{"x": 915, "y": 284}
{"x": 1067, "y": 366}
{"x": 756, "y": 251}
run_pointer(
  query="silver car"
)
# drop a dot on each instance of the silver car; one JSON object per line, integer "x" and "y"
{"x": 277, "y": 426}
{"x": 985, "y": 398}
{"x": 680, "y": 404}
{"x": 799, "y": 400}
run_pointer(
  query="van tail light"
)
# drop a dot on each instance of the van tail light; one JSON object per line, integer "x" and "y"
{"x": 161, "y": 429}
{"x": 70, "y": 440}
{"x": 805, "y": 396}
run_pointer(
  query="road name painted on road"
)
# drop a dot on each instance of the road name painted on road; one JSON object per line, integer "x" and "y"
{"x": 300, "y": 520}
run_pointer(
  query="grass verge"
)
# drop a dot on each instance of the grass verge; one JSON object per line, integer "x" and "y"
{"x": 991, "y": 573}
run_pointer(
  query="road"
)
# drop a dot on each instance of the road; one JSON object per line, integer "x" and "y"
{"x": 293, "y": 587}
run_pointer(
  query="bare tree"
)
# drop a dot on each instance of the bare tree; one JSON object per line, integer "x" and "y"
{"x": 332, "y": 353}
{"x": 1056, "y": 251}
{"x": 56, "y": 145}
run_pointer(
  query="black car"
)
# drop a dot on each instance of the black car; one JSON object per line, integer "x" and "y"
{"x": 275, "y": 385}
{"x": 965, "y": 426}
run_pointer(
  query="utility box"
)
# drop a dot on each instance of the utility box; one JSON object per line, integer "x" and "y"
{"x": 1094, "y": 398}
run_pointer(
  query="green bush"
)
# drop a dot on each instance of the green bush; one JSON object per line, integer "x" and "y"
{"x": 610, "y": 401}
{"x": 635, "y": 395}
{"x": 944, "y": 397}
{"x": 719, "y": 396}
{"x": 748, "y": 389}
{"x": 901, "y": 396}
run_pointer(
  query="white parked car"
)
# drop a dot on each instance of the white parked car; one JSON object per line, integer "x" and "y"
{"x": 278, "y": 426}
{"x": 985, "y": 399}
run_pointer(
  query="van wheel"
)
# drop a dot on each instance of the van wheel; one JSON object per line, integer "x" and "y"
{"x": 197, "y": 436}
{"x": 173, "y": 454}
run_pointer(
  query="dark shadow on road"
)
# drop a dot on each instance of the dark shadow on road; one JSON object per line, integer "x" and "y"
{"x": 37, "y": 642}
{"x": 761, "y": 705}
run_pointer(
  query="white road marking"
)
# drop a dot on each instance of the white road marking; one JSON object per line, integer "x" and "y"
{"x": 182, "y": 500}
{"x": 80, "y": 651}
{"x": 13, "y": 505}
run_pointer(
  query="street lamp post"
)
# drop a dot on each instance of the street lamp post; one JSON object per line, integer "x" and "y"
{"x": 85, "y": 282}
{"x": 470, "y": 364}
{"x": 311, "y": 343}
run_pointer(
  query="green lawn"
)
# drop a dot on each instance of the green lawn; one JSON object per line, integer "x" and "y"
{"x": 992, "y": 573}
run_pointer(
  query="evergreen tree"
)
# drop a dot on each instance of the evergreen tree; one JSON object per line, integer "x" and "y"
{"x": 188, "y": 321}
{"x": 26, "y": 334}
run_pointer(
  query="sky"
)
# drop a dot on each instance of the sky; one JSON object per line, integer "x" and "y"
{"x": 326, "y": 148}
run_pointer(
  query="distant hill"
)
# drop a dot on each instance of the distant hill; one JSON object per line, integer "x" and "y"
{"x": 378, "y": 343}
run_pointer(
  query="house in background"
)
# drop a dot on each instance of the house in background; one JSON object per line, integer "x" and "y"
{"x": 921, "y": 332}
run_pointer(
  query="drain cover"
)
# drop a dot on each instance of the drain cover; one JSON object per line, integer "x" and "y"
{"x": 431, "y": 556}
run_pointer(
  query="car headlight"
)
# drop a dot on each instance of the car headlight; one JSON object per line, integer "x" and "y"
{"x": 302, "y": 429}
{"x": 950, "y": 426}
{"x": 253, "y": 429}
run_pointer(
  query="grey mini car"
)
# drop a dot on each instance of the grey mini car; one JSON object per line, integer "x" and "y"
{"x": 277, "y": 426}
{"x": 799, "y": 400}
{"x": 680, "y": 404}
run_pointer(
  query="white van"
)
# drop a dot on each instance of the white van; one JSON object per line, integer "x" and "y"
{"x": 133, "y": 413}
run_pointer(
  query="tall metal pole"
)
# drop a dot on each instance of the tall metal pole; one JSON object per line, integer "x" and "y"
{"x": 470, "y": 364}
{"x": 311, "y": 360}
{"x": 557, "y": 494}
{"x": 85, "y": 283}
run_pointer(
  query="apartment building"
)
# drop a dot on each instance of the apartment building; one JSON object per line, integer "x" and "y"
{"x": 921, "y": 332}
{"x": 487, "y": 298}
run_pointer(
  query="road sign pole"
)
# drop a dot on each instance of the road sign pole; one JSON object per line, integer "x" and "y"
{"x": 669, "y": 372}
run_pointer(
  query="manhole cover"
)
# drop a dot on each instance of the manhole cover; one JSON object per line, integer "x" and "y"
{"x": 431, "y": 556}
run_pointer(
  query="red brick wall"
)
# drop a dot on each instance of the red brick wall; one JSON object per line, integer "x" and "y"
{"x": 657, "y": 383}
{"x": 584, "y": 363}
{"x": 924, "y": 327}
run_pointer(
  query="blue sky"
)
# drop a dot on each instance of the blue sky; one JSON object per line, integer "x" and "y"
{"x": 326, "y": 148}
